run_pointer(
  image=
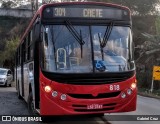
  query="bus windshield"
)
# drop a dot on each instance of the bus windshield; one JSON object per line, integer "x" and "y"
{"x": 62, "y": 52}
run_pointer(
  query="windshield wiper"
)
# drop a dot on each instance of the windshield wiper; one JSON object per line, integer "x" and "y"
{"x": 105, "y": 37}
{"x": 76, "y": 35}
{"x": 100, "y": 42}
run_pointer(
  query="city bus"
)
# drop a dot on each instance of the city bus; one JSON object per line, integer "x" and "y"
{"x": 77, "y": 58}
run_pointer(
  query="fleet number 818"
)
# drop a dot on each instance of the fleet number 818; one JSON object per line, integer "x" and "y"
{"x": 114, "y": 87}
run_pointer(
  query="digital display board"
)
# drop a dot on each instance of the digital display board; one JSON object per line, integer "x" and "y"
{"x": 88, "y": 11}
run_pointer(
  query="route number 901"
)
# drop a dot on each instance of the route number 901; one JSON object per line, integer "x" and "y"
{"x": 114, "y": 87}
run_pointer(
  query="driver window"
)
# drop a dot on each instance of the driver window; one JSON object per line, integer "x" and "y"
{"x": 48, "y": 50}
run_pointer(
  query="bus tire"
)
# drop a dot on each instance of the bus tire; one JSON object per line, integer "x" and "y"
{"x": 31, "y": 108}
{"x": 10, "y": 85}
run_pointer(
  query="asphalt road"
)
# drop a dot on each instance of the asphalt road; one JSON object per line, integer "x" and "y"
{"x": 11, "y": 105}
{"x": 146, "y": 107}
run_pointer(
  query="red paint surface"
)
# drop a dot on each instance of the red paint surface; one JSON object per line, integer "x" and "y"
{"x": 55, "y": 106}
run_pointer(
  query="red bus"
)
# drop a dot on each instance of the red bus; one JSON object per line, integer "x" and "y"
{"x": 77, "y": 58}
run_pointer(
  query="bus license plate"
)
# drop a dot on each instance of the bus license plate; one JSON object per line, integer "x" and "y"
{"x": 95, "y": 106}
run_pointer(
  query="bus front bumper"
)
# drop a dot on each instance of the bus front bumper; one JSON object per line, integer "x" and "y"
{"x": 78, "y": 101}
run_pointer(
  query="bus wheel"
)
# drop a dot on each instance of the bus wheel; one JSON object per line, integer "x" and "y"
{"x": 31, "y": 108}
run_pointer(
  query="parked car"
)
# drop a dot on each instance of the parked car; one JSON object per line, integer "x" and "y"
{"x": 6, "y": 77}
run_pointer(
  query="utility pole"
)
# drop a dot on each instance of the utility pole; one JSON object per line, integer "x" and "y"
{"x": 36, "y": 5}
{"x": 32, "y": 6}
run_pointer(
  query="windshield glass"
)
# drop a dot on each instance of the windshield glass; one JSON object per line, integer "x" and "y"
{"x": 3, "y": 72}
{"x": 63, "y": 53}
{"x": 115, "y": 54}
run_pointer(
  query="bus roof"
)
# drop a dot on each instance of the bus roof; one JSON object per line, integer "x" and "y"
{"x": 84, "y": 3}
{"x": 39, "y": 11}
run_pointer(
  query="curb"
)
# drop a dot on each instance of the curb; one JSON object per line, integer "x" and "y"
{"x": 148, "y": 95}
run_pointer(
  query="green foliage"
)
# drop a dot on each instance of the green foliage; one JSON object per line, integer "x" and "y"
{"x": 144, "y": 79}
{"x": 8, "y": 4}
{"x": 138, "y": 7}
{"x": 153, "y": 40}
{"x": 11, "y": 30}
{"x": 150, "y": 55}
{"x": 9, "y": 51}
{"x": 10, "y": 27}
{"x": 157, "y": 24}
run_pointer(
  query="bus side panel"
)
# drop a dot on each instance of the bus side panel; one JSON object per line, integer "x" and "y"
{"x": 26, "y": 81}
{"x": 15, "y": 77}
{"x": 19, "y": 82}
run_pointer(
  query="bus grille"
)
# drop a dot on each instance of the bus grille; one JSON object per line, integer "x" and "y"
{"x": 90, "y": 96}
{"x": 95, "y": 81}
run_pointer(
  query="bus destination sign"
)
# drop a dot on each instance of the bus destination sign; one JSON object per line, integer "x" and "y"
{"x": 86, "y": 12}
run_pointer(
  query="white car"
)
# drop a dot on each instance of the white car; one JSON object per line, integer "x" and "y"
{"x": 5, "y": 77}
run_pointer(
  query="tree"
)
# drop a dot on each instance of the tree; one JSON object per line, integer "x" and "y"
{"x": 152, "y": 43}
{"x": 10, "y": 30}
{"x": 8, "y": 4}
{"x": 149, "y": 56}
{"x": 12, "y": 3}
{"x": 50, "y": 1}
{"x": 138, "y": 7}
{"x": 9, "y": 53}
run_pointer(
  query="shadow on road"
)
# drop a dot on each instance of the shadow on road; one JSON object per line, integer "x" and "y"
{"x": 83, "y": 119}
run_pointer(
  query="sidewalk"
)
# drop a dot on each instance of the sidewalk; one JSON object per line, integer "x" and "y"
{"x": 148, "y": 95}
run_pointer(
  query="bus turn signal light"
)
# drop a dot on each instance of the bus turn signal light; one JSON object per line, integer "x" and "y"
{"x": 47, "y": 89}
{"x": 133, "y": 85}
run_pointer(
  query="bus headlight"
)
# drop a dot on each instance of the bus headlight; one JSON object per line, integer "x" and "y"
{"x": 47, "y": 89}
{"x": 129, "y": 91}
{"x": 123, "y": 95}
{"x": 133, "y": 85}
{"x": 63, "y": 97}
{"x": 54, "y": 94}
